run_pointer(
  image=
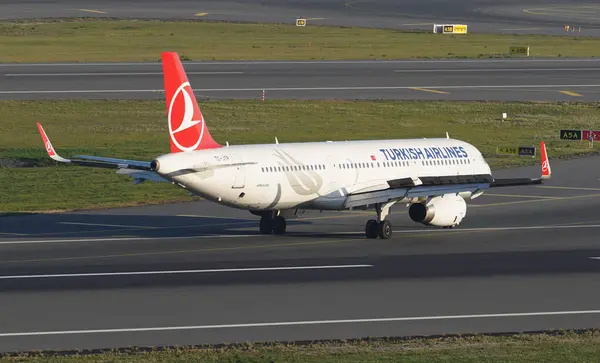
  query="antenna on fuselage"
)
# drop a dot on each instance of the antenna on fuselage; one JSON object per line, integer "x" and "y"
{"x": 276, "y": 141}
{"x": 447, "y": 136}
{"x": 227, "y": 143}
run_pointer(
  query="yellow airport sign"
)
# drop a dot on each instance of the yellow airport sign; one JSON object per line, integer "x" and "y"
{"x": 460, "y": 29}
{"x": 518, "y": 50}
{"x": 516, "y": 150}
{"x": 507, "y": 151}
{"x": 300, "y": 22}
{"x": 450, "y": 28}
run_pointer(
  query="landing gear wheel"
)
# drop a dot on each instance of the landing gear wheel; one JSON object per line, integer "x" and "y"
{"x": 279, "y": 225}
{"x": 371, "y": 228}
{"x": 385, "y": 229}
{"x": 266, "y": 225}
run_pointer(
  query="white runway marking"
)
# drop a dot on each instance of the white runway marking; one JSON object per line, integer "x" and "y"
{"x": 481, "y": 229}
{"x": 442, "y": 70}
{"x": 157, "y": 64}
{"x": 299, "y": 323}
{"x": 76, "y": 240}
{"x": 138, "y": 273}
{"x": 495, "y": 70}
{"x": 291, "y": 234}
{"x": 106, "y": 225}
{"x": 501, "y": 228}
{"x": 216, "y": 217}
{"x": 106, "y": 74}
{"x": 364, "y": 88}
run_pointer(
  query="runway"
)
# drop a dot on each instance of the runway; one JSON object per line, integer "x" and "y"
{"x": 503, "y": 80}
{"x": 508, "y": 16}
{"x": 194, "y": 273}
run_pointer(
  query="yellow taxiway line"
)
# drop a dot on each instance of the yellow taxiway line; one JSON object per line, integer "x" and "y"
{"x": 92, "y": 11}
{"x": 428, "y": 90}
{"x": 571, "y": 93}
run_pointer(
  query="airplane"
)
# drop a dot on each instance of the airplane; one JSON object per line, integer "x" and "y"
{"x": 433, "y": 177}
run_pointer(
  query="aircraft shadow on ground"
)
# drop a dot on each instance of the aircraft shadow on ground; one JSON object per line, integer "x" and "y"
{"x": 81, "y": 226}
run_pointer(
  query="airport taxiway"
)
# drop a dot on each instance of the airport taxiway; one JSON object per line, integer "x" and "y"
{"x": 193, "y": 273}
{"x": 503, "y": 80}
{"x": 507, "y": 16}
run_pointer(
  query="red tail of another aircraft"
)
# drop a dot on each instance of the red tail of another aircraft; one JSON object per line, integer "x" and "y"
{"x": 546, "y": 172}
{"x": 187, "y": 129}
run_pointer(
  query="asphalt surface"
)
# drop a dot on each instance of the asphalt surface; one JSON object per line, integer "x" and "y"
{"x": 520, "y": 250}
{"x": 516, "y": 80}
{"x": 507, "y": 16}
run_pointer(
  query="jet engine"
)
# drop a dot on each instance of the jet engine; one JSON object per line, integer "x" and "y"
{"x": 444, "y": 211}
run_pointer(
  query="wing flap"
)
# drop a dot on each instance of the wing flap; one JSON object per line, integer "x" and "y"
{"x": 374, "y": 197}
{"x": 387, "y": 195}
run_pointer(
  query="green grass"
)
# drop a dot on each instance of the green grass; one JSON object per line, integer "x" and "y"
{"x": 82, "y": 40}
{"x": 138, "y": 129}
{"x": 525, "y": 348}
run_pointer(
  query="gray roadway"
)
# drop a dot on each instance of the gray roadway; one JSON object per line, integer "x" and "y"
{"x": 540, "y": 79}
{"x": 520, "y": 250}
{"x": 507, "y": 16}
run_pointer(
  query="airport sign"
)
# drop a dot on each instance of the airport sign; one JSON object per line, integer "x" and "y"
{"x": 449, "y": 28}
{"x": 570, "y": 134}
{"x": 516, "y": 150}
{"x": 590, "y": 135}
{"x": 527, "y": 151}
{"x": 507, "y": 151}
{"x": 517, "y": 50}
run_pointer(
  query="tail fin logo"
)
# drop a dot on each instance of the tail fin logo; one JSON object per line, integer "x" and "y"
{"x": 49, "y": 148}
{"x": 185, "y": 126}
{"x": 545, "y": 162}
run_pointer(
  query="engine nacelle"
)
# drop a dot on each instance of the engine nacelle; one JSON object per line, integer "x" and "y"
{"x": 444, "y": 211}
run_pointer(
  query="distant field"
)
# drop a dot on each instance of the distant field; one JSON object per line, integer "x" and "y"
{"x": 138, "y": 129}
{"x": 83, "y": 40}
{"x": 547, "y": 348}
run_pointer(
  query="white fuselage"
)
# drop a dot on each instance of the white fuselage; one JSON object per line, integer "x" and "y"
{"x": 315, "y": 175}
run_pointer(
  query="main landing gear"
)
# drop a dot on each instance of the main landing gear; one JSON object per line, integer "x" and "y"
{"x": 271, "y": 223}
{"x": 380, "y": 227}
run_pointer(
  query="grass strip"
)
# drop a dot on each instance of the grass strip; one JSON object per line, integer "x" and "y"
{"x": 85, "y": 40}
{"x": 518, "y": 348}
{"x": 138, "y": 129}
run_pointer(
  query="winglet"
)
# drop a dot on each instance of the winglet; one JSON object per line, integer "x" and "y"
{"x": 546, "y": 172}
{"x": 48, "y": 145}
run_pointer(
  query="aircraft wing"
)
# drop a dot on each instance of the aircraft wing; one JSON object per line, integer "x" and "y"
{"x": 399, "y": 189}
{"x": 139, "y": 170}
{"x": 546, "y": 173}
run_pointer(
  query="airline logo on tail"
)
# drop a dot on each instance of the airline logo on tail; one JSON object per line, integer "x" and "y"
{"x": 47, "y": 143}
{"x": 187, "y": 129}
{"x": 185, "y": 126}
{"x": 545, "y": 164}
